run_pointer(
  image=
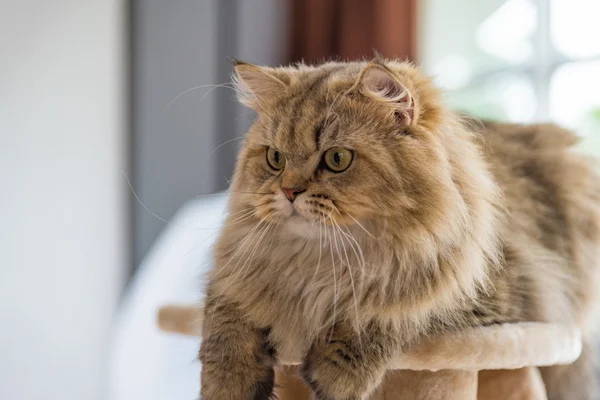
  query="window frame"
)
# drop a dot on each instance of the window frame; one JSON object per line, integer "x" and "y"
{"x": 545, "y": 62}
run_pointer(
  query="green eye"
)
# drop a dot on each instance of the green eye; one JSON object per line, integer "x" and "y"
{"x": 275, "y": 159}
{"x": 338, "y": 159}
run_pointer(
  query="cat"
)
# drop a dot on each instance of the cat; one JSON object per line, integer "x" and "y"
{"x": 364, "y": 215}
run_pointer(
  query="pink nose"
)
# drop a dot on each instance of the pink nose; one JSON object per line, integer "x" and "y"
{"x": 291, "y": 193}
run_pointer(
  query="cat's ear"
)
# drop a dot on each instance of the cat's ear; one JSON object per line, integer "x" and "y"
{"x": 256, "y": 84}
{"x": 379, "y": 83}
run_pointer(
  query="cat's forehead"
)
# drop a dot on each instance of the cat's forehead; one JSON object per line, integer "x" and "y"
{"x": 308, "y": 114}
{"x": 305, "y": 124}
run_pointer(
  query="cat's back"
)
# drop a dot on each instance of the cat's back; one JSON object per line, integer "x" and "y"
{"x": 547, "y": 185}
{"x": 551, "y": 194}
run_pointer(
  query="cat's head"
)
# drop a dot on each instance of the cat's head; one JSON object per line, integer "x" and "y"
{"x": 342, "y": 143}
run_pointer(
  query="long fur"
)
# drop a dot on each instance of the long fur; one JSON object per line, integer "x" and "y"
{"x": 439, "y": 223}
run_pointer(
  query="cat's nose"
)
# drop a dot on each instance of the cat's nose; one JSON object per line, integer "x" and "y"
{"x": 291, "y": 193}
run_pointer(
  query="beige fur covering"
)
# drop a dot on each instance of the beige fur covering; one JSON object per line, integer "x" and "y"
{"x": 445, "y": 367}
{"x": 365, "y": 216}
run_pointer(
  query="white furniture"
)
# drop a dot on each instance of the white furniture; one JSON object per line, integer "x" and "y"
{"x": 146, "y": 363}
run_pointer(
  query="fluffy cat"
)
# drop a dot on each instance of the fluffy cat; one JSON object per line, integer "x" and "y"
{"x": 364, "y": 214}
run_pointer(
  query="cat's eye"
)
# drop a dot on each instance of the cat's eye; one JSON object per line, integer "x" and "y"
{"x": 338, "y": 159}
{"x": 275, "y": 159}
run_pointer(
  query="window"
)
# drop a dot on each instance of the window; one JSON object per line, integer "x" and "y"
{"x": 518, "y": 60}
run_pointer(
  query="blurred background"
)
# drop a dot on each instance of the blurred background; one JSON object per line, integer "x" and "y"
{"x": 116, "y": 114}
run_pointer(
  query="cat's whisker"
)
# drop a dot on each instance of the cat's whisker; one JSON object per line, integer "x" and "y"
{"x": 335, "y": 285}
{"x": 261, "y": 234}
{"x": 228, "y": 86}
{"x": 227, "y": 283}
{"x": 320, "y": 250}
{"x": 348, "y": 236}
{"x": 320, "y": 222}
{"x": 272, "y": 237}
{"x": 213, "y": 87}
{"x": 232, "y": 191}
{"x": 325, "y": 241}
{"x": 332, "y": 321}
{"x": 248, "y": 210}
{"x": 241, "y": 246}
{"x": 243, "y": 243}
{"x": 356, "y": 246}
{"x": 240, "y": 219}
{"x": 251, "y": 208}
{"x": 221, "y": 145}
{"x": 309, "y": 237}
{"x": 242, "y": 271}
{"x": 194, "y": 228}
{"x": 248, "y": 214}
{"x": 245, "y": 210}
{"x": 349, "y": 268}
{"x": 360, "y": 225}
{"x": 187, "y": 253}
{"x": 199, "y": 196}
{"x": 248, "y": 192}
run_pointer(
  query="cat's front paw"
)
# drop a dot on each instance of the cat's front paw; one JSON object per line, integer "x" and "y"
{"x": 225, "y": 383}
{"x": 334, "y": 372}
{"x": 236, "y": 370}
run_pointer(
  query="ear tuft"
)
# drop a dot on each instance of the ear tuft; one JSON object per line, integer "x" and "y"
{"x": 236, "y": 61}
{"x": 378, "y": 58}
{"x": 255, "y": 84}
{"x": 378, "y": 83}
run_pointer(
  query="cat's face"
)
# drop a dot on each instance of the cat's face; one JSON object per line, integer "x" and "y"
{"x": 336, "y": 144}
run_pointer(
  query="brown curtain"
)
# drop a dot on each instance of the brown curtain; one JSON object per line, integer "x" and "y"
{"x": 352, "y": 29}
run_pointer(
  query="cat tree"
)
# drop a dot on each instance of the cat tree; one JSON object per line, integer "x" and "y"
{"x": 492, "y": 363}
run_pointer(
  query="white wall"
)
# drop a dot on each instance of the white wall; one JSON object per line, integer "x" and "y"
{"x": 63, "y": 202}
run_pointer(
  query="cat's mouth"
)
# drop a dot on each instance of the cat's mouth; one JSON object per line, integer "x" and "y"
{"x": 302, "y": 226}
{"x": 301, "y": 211}
{"x": 305, "y": 212}
{"x": 297, "y": 214}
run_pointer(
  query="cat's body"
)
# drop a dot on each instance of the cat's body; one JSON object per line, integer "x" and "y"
{"x": 436, "y": 224}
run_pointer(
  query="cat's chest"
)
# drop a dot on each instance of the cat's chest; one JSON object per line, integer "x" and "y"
{"x": 291, "y": 336}
{"x": 297, "y": 309}
{"x": 298, "y": 292}
{"x": 308, "y": 283}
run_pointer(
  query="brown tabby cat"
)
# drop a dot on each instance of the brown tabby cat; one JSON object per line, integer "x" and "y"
{"x": 365, "y": 215}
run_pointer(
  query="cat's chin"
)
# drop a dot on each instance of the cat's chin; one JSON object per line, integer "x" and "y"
{"x": 300, "y": 226}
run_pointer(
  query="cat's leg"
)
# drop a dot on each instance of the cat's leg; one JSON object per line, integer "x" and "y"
{"x": 237, "y": 361}
{"x": 349, "y": 366}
